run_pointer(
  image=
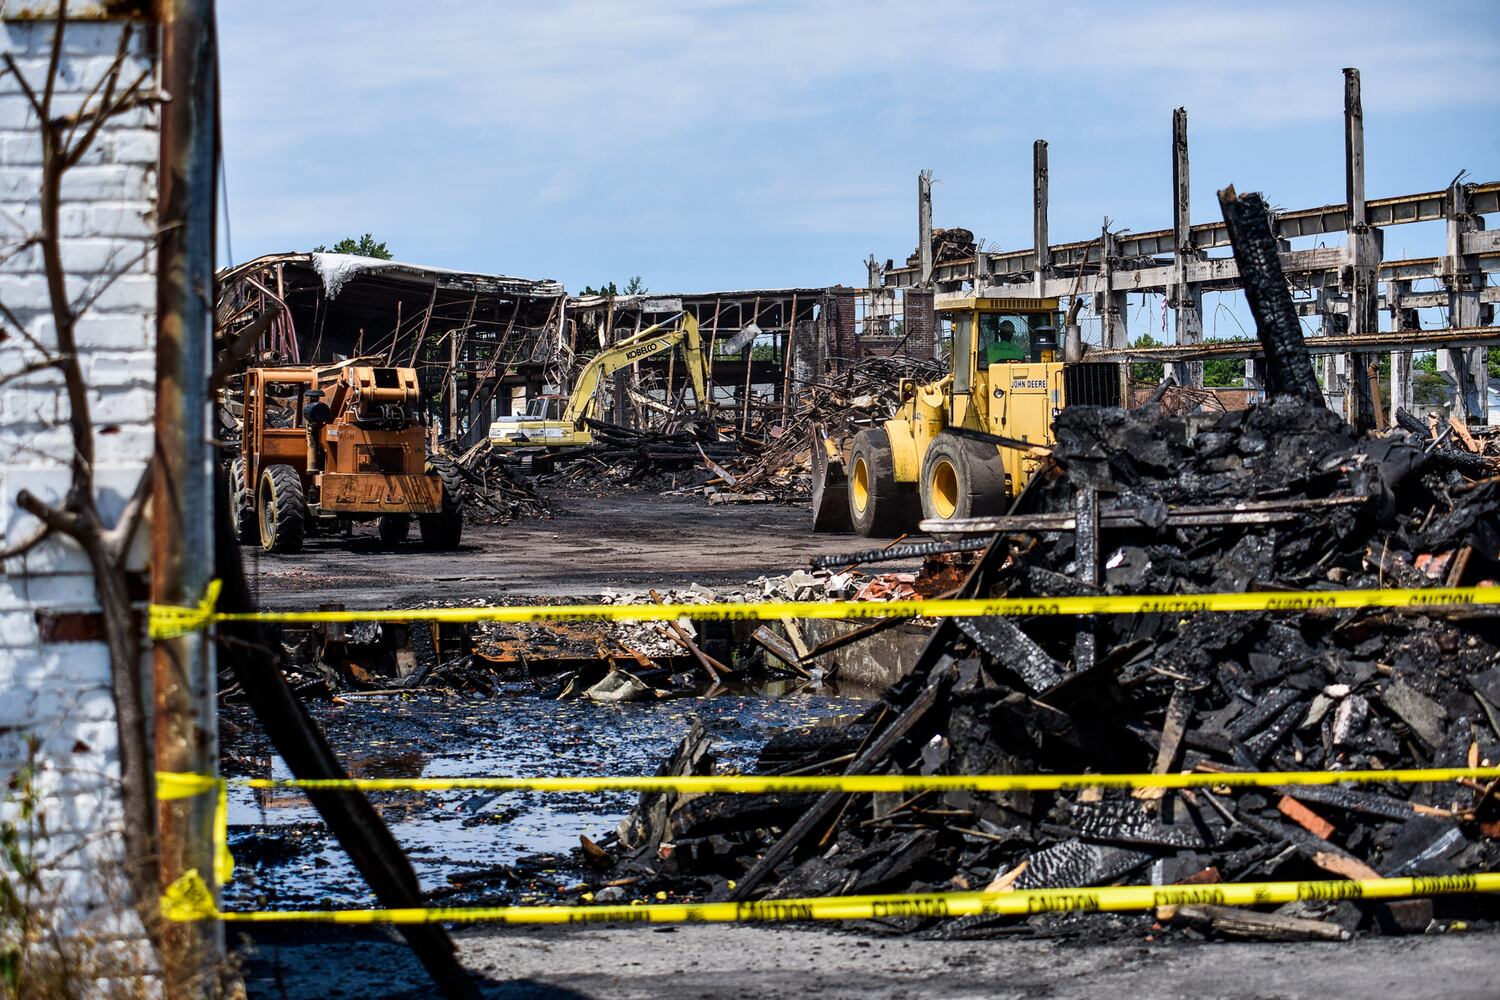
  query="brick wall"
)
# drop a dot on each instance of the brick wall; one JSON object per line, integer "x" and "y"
{"x": 920, "y": 323}
{"x": 59, "y": 692}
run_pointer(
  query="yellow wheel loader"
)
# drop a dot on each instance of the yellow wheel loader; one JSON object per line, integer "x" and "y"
{"x": 561, "y": 422}
{"x": 967, "y": 444}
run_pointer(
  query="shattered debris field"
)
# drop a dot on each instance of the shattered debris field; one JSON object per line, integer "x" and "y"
{"x": 1156, "y": 681}
{"x": 1281, "y": 497}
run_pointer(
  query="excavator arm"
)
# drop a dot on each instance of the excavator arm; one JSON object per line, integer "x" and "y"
{"x": 638, "y": 347}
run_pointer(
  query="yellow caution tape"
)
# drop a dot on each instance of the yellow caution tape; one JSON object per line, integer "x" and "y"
{"x": 168, "y": 621}
{"x": 862, "y": 783}
{"x": 189, "y": 899}
{"x": 174, "y": 785}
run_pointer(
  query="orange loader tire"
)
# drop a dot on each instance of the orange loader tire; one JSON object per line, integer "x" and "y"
{"x": 281, "y": 509}
{"x": 879, "y": 506}
{"x": 242, "y": 504}
{"x": 444, "y": 529}
{"x": 393, "y": 528}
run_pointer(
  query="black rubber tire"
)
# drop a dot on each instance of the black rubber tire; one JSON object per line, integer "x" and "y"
{"x": 281, "y": 509}
{"x": 879, "y": 507}
{"x": 445, "y": 529}
{"x": 830, "y": 492}
{"x": 394, "y": 529}
{"x": 962, "y": 478}
{"x": 242, "y": 505}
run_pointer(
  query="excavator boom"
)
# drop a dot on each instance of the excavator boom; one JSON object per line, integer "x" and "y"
{"x": 570, "y": 428}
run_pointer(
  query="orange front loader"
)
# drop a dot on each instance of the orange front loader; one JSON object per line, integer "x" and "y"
{"x": 322, "y": 447}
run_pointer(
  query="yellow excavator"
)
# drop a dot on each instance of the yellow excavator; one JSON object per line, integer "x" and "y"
{"x": 967, "y": 444}
{"x": 562, "y": 421}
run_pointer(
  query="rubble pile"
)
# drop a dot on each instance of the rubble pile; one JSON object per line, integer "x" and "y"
{"x": 497, "y": 493}
{"x": 755, "y": 460}
{"x": 776, "y": 463}
{"x": 953, "y": 243}
{"x": 1286, "y": 691}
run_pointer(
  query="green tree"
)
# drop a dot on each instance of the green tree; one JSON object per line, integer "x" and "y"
{"x": 365, "y": 246}
{"x": 635, "y": 286}
{"x": 1219, "y": 372}
{"x": 1146, "y": 371}
{"x": 1428, "y": 388}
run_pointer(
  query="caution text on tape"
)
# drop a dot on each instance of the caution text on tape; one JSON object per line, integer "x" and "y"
{"x": 168, "y": 621}
{"x": 853, "y": 783}
{"x": 189, "y": 899}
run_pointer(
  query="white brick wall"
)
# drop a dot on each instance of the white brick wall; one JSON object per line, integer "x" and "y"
{"x": 59, "y": 693}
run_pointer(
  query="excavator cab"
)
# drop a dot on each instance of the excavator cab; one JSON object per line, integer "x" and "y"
{"x": 548, "y": 407}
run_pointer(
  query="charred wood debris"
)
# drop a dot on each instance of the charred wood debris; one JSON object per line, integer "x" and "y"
{"x": 1145, "y": 502}
{"x": 1313, "y": 690}
{"x": 759, "y": 454}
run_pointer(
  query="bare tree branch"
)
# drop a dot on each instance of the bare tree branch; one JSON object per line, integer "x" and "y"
{"x": 106, "y": 111}
{"x": 31, "y": 369}
{"x": 15, "y": 323}
{"x": 109, "y": 81}
{"x": 54, "y": 59}
{"x": 36, "y": 103}
{"x": 117, "y": 540}
{"x": 60, "y": 520}
{"x": 140, "y": 99}
{"x": 26, "y": 544}
{"x": 91, "y": 295}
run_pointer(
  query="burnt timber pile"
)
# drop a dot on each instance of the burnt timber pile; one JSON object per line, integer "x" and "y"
{"x": 1284, "y": 495}
{"x": 1238, "y": 691}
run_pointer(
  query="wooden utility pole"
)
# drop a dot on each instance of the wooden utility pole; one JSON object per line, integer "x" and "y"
{"x": 182, "y": 504}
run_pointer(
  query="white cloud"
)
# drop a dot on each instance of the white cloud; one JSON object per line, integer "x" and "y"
{"x": 496, "y": 128}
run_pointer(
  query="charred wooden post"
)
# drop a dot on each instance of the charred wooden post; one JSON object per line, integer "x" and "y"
{"x": 1401, "y": 319}
{"x": 1465, "y": 282}
{"x": 1186, "y": 299}
{"x": 1288, "y": 367}
{"x": 924, "y": 227}
{"x": 1042, "y": 263}
{"x": 1362, "y": 253}
{"x": 1109, "y": 303}
{"x": 1086, "y": 555}
{"x": 251, "y": 655}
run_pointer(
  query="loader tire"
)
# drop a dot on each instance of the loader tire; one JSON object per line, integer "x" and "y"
{"x": 830, "y": 492}
{"x": 961, "y": 478}
{"x": 241, "y": 505}
{"x": 879, "y": 507}
{"x": 282, "y": 509}
{"x": 394, "y": 529}
{"x": 444, "y": 529}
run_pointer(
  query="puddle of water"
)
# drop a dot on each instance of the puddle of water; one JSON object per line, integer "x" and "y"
{"x": 285, "y": 858}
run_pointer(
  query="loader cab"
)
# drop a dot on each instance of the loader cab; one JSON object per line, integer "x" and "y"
{"x": 274, "y": 429}
{"x": 991, "y": 331}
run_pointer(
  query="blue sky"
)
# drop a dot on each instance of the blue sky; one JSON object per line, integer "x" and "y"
{"x": 720, "y": 144}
